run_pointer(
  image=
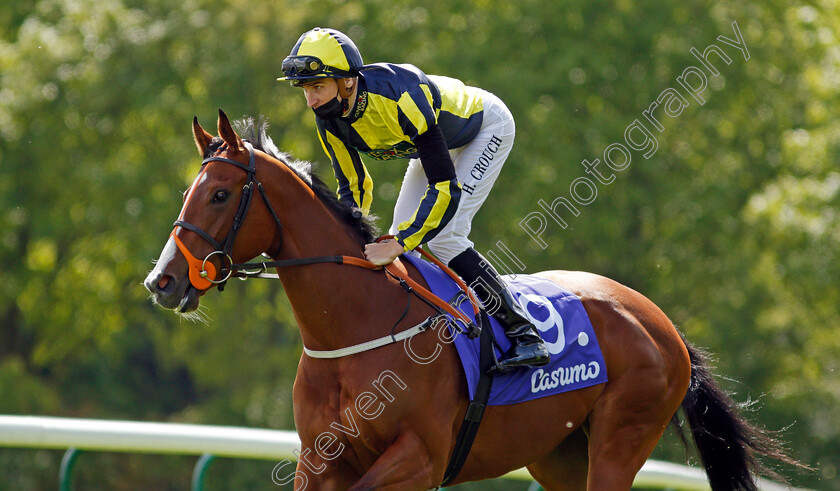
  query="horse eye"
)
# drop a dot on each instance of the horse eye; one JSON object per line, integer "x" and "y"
{"x": 221, "y": 196}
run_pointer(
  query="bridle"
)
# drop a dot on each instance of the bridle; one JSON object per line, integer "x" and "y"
{"x": 202, "y": 273}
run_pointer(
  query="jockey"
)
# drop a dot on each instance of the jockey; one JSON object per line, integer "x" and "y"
{"x": 456, "y": 137}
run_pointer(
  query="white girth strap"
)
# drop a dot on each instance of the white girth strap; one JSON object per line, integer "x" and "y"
{"x": 376, "y": 343}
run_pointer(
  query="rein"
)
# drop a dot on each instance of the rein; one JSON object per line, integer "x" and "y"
{"x": 395, "y": 270}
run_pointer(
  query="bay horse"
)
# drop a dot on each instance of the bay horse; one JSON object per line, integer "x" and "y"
{"x": 380, "y": 420}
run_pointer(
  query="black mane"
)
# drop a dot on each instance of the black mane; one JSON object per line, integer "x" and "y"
{"x": 254, "y": 132}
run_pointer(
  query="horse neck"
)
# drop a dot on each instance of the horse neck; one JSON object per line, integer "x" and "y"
{"x": 333, "y": 303}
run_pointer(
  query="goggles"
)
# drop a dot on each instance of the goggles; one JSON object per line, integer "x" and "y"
{"x": 296, "y": 67}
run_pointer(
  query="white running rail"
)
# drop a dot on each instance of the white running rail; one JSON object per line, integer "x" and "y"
{"x": 239, "y": 442}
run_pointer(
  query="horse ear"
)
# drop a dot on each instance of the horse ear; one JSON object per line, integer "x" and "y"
{"x": 202, "y": 138}
{"x": 228, "y": 135}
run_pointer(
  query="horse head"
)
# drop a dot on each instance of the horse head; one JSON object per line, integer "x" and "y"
{"x": 218, "y": 225}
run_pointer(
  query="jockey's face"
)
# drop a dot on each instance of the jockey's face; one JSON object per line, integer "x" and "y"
{"x": 319, "y": 91}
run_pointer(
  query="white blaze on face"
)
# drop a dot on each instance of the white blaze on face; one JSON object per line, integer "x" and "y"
{"x": 169, "y": 251}
{"x": 199, "y": 179}
{"x": 166, "y": 256}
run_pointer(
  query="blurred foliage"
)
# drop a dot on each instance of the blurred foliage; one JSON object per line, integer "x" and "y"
{"x": 731, "y": 226}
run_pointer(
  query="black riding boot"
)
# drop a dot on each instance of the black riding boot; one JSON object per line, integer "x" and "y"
{"x": 529, "y": 349}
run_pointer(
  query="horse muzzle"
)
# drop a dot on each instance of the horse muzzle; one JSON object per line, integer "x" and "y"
{"x": 170, "y": 293}
{"x": 171, "y": 290}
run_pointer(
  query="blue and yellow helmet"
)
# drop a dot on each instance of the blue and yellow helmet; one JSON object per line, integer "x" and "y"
{"x": 322, "y": 53}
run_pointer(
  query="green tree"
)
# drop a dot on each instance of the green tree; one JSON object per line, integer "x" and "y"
{"x": 730, "y": 226}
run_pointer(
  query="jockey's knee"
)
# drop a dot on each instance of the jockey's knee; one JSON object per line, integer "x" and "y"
{"x": 449, "y": 246}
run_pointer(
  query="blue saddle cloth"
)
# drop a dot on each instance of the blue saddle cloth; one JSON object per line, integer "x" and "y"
{"x": 576, "y": 359}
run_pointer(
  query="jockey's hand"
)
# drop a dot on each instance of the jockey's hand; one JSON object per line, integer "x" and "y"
{"x": 382, "y": 253}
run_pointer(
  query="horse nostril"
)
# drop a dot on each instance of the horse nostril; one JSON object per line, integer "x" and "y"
{"x": 161, "y": 285}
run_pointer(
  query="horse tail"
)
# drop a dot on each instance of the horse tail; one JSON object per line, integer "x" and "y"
{"x": 728, "y": 444}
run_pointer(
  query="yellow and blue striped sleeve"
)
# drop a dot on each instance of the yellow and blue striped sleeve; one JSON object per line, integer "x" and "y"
{"x": 415, "y": 111}
{"x": 355, "y": 185}
{"x": 436, "y": 209}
